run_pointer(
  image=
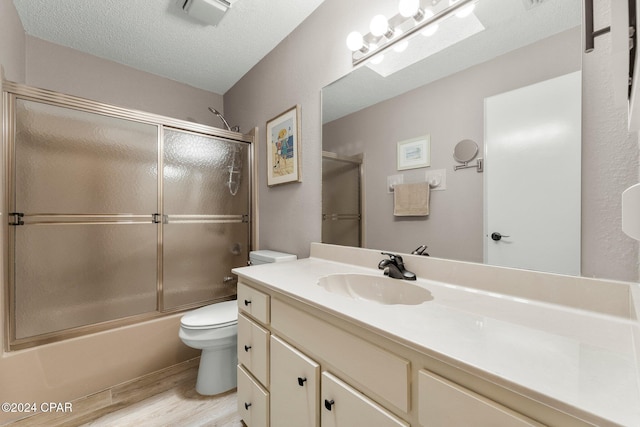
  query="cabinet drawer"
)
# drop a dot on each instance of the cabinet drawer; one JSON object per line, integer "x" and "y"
{"x": 369, "y": 366}
{"x": 344, "y": 406}
{"x": 442, "y": 403}
{"x": 253, "y": 302}
{"x": 253, "y": 348}
{"x": 295, "y": 387}
{"x": 253, "y": 401}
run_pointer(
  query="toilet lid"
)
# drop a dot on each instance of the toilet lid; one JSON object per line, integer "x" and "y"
{"x": 212, "y": 316}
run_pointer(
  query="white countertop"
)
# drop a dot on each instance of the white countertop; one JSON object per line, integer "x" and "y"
{"x": 577, "y": 361}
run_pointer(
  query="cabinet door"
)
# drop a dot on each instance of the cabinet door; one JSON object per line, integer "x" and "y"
{"x": 442, "y": 403}
{"x": 253, "y": 302}
{"x": 343, "y": 406}
{"x": 253, "y": 348}
{"x": 295, "y": 383}
{"x": 347, "y": 353}
{"x": 253, "y": 401}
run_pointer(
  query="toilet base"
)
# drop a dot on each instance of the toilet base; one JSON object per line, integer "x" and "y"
{"x": 217, "y": 371}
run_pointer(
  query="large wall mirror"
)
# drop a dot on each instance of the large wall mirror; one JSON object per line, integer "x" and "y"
{"x": 445, "y": 95}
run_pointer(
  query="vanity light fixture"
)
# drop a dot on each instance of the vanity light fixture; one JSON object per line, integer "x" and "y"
{"x": 355, "y": 42}
{"x": 410, "y": 20}
{"x": 465, "y": 11}
{"x": 378, "y": 58}
{"x": 380, "y": 27}
{"x": 411, "y": 9}
{"x": 401, "y": 46}
{"x": 431, "y": 29}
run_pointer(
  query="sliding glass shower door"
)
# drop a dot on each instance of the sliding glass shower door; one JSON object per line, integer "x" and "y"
{"x": 206, "y": 209}
{"x": 99, "y": 238}
{"x": 341, "y": 200}
{"x": 85, "y": 248}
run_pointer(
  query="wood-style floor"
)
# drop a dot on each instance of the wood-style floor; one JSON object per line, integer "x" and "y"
{"x": 180, "y": 406}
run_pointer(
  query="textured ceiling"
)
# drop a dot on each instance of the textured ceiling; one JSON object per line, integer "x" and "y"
{"x": 156, "y": 36}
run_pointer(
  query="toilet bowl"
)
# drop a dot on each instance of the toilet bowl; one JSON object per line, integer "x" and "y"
{"x": 214, "y": 330}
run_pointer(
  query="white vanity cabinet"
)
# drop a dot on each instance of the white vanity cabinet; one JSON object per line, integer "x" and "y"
{"x": 253, "y": 400}
{"x": 343, "y": 406}
{"x": 440, "y": 402}
{"x": 253, "y": 348}
{"x": 318, "y": 369}
{"x": 253, "y": 356}
{"x": 254, "y": 303}
{"x": 295, "y": 386}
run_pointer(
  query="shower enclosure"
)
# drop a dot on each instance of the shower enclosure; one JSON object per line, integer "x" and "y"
{"x": 116, "y": 216}
{"x": 342, "y": 200}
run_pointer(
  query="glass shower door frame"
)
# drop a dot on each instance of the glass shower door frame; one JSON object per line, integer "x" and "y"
{"x": 356, "y": 161}
{"x": 11, "y": 93}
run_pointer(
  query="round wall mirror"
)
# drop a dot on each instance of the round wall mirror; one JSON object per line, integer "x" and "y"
{"x": 465, "y": 151}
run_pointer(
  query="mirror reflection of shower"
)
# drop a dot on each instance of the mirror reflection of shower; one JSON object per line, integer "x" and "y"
{"x": 236, "y": 163}
{"x": 226, "y": 123}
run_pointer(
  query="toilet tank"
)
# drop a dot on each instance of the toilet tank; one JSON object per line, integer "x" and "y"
{"x": 267, "y": 256}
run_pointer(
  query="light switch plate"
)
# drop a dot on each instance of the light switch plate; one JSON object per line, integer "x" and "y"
{"x": 437, "y": 179}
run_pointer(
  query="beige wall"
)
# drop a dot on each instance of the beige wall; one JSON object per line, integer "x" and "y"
{"x": 12, "y": 43}
{"x": 77, "y": 367}
{"x": 450, "y": 109}
{"x": 59, "y": 68}
{"x": 609, "y": 162}
{"x": 313, "y": 56}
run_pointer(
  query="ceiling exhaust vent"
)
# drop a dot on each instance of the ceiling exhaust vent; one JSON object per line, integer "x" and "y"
{"x": 208, "y": 11}
{"x": 530, "y": 4}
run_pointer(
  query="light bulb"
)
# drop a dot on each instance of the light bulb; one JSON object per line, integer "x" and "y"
{"x": 409, "y": 8}
{"x": 465, "y": 11}
{"x": 355, "y": 41}
{"x": 430, "y": 29}
{"x": 402, "y": 45}
{"x": 379, "y": 25}
{"x": 377, "y": 58}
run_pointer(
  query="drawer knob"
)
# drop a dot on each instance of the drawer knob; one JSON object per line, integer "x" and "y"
{"x": 246, "y": 405}
{"x": 247, "y": 302}
{"x": 301, "y": 381}
{"x": 247, "y": 348}
{"x": 328, "y": 404}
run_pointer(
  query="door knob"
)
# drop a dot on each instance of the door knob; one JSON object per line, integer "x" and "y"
{"x": 497, "y": 236}
{"x": 328, "y": 404}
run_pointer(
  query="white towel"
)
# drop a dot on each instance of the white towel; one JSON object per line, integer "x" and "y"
{"x": 411, "y": 199}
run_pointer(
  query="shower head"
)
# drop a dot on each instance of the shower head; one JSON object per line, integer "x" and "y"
{"x": 226, "y": 123}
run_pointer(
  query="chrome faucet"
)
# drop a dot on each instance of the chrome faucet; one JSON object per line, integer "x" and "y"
{"x": 394, "y": 267}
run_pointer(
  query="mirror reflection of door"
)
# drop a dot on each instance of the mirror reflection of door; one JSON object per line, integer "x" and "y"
{"x": 532, "y": 180}
{"x": 341, "y": 200}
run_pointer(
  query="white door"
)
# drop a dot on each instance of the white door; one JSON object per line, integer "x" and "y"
{"x": 532, "y": 176}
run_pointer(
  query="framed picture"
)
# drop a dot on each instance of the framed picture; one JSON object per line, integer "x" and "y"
{"x": 283, "y": 148}
{"x": 414, "y": 153}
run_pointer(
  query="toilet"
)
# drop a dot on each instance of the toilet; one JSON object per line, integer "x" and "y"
{"x": 214, "y": 330}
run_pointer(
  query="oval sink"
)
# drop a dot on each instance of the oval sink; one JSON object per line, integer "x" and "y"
{"x": 380, "y": 289}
